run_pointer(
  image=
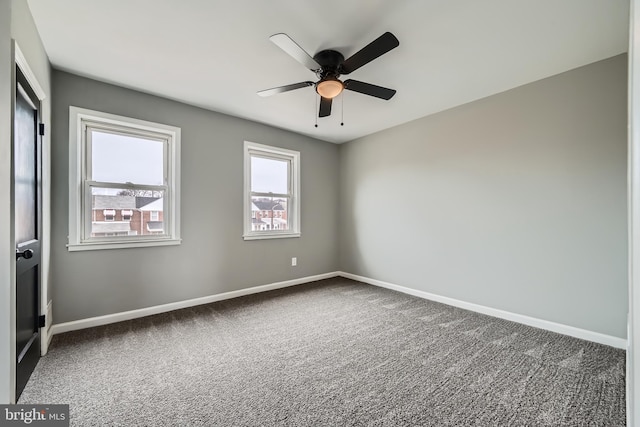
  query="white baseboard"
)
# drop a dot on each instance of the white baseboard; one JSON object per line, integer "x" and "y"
{"x": 514, "y": 317}
{"x": 148, "y": 311}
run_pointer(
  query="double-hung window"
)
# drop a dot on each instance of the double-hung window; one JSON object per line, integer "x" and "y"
{"x": 271, "y": 192}
{"x": 121, "y": 168}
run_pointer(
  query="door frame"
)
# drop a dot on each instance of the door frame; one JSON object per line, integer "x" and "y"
{"x": 21, "y": 62}
{"x": 633, "y": 158}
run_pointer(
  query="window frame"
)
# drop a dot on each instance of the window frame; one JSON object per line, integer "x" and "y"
{"x": 293, "y": 208}
{"x": 80, "y": 184}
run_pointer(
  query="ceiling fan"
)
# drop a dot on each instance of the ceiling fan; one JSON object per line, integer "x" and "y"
{"x": 329, "y": 64}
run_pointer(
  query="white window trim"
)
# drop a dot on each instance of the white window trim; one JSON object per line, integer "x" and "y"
{"x": 294, "y": 208}
{"x": 77, "y": 152}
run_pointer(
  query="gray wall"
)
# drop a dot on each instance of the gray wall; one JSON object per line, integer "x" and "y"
{"x": 516, "y": 201}
{"x": 213, "y": 257}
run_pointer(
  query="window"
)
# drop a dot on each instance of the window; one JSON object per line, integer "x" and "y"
{"x": 109, "y": 215}
{"x": 272, "y": 192}
{"x": 126, "y": 166}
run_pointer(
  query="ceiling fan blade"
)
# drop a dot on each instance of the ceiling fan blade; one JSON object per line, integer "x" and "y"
{"x": 325, "y": 107}
{"x": 373, "y": 50}
{"x": 287, "y": 88}
{"x": 369, "y": 89}
{"x": 285, "y": 43}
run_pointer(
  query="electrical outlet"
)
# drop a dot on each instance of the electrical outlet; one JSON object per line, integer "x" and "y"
{"x": 294, "y": 261}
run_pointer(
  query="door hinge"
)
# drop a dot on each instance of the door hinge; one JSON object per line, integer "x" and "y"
{"x": 41, "y": 129}
{"x": 42, "y": 321}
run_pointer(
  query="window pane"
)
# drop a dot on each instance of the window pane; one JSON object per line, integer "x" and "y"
{"x": 25, "y": 171}
{"x": 269, "y": 213}
{"x": 119, "y": 158}
{"x": 269, "y": 175}
{"x": 126, "y": 212}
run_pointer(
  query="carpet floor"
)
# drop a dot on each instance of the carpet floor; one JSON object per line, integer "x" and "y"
{"x": 329, "y": 353}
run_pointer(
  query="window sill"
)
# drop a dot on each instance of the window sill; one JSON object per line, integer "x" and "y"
{"x": 270, "y": 236}
{"x": 94, "y": 246}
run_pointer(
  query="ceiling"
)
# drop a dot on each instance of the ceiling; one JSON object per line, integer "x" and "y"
{"x": 216, "y": 54}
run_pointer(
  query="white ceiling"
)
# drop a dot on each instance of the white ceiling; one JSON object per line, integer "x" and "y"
{"x": 216, "y": 54}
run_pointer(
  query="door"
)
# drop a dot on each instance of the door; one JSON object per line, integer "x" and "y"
{"x": 28, "y": 220}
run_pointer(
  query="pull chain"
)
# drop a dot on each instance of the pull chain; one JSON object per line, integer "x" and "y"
{"x": 314, "y": 109}
{"x": 342, "y": 109}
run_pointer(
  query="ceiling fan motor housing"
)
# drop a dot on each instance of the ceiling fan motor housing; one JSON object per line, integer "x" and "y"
{"x": 330, "y": 61}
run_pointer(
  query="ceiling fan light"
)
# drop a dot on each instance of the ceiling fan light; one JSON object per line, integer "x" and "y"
{"x": 329, "y": 88}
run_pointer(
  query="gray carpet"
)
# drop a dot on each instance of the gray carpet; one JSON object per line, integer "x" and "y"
{"x": 329, "y": 353}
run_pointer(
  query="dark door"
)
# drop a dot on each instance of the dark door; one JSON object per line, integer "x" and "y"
{"x": 27, "y": 205}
